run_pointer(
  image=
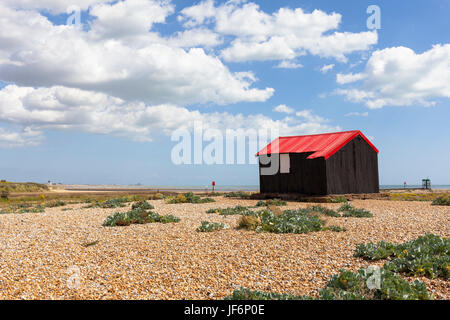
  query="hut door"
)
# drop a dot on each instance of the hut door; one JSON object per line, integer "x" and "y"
{"x": 285, "y": 163}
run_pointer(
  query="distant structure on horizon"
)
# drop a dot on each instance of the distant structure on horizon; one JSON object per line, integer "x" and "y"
{"x": 321, "y": 164}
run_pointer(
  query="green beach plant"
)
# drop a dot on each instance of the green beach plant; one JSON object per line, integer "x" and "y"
{"x": 189, "y": 197}
{"x": 349, "y": 211}
{"x": 427, "y": 255}
{"x": 372, "y": 283}
{"x": 207, "y": 226}
{"x": 442, "y": 201}
{"x": 137, "y": 216}
{"x": 142, "y": 205}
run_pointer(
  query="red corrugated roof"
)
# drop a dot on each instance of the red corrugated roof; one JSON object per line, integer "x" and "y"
{"x": 323, "y": 145}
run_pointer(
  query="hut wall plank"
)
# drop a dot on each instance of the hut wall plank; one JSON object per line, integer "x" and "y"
{"x": 353, "y": 169}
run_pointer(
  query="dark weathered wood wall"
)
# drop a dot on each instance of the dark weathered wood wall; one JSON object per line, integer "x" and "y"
{"x": 305, "y": 177}
{"x": 353, "y": 169}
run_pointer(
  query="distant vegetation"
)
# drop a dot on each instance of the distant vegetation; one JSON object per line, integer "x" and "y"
{"x": 338, "y": 199}
{"x": 238, "y": 194}
{"x": 442, "y": 201}
{"x": 188, "y": 197}
{"x": 410, "y": 196}
{"x": 237, "y": 210}
{"x": 23, "y": 208}
{"x": 156, "y": 196}
{"x": 112, "y": 203}
{"x": 271, "y": 202}
{"x": 365, "y": 284}
{"x": 57, "y": 203}
{"x": 18, "y": 187}
{"x": 427, "y": 255}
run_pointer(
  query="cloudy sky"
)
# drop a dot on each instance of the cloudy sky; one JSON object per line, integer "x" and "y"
{"x": 95, "y": 97}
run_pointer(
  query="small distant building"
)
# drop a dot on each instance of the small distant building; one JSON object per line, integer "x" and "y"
{"x": 320, "y": 164}
{"x": 426, "y": 184}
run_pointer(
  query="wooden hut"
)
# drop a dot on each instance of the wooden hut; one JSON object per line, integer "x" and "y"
{"x": 320, "y": 164}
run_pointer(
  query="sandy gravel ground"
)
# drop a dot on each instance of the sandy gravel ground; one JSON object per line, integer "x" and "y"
{"x": 42, "y": 254}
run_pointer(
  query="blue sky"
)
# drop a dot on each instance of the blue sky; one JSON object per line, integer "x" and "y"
{"x": 62, "y": 99}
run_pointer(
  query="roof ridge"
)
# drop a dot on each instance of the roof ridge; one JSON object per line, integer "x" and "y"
{"x": 318, "y": 134}
{"x": 320, "y": 145}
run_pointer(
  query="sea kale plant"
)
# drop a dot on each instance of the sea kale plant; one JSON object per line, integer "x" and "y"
{"x": 427, "y": 255}
{"x": 247, "y": 294}
{"x": 113, "y": 203}
{"x": 142, "y": 205}
{"x": 325, "y": 211}
{"x": 137, "y": 216}
{"x": 207, "y": 226}
{"x": 372, "y": 283}
{"x": 349, "y": 211}
{"x": 290, "y": 221}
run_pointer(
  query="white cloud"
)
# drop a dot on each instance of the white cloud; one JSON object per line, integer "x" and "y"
{"x": 283, "y": 109}
{"x": 128, "y": 18}
{"x": 348, "y": 78}
{"x": 34, "y": 52}
{"x": 25, "y": 137}
{"x": 326, "y": 68}
{"x": 357, "y": 114}
{"x": 400, "y": 77}
{"x": 200, "y": 37}
{"x": 282, "y": 35}
{"x": 286, "y": 64}
{"x": 121, "y": 77}
{"x": 68, "y": 109}
{"x": 310, "y": 116}
{"x": 53, "y": 6}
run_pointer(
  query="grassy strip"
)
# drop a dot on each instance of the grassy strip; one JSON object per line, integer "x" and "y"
{"x": 271, "y": 202}
{"x": 238, "y": 194}
{"x": 338, "y": 199}
{"x": 365, "y": 284}
{"x": 18, "y": 187}
{"x": 23, "y": 208}
{"x": 411, "y": 196}
{"x": 230, "y": 211}
{"x": 188, "y": 197}
{"x": 442, "y": 201}
{"x": 427, "y": 255}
